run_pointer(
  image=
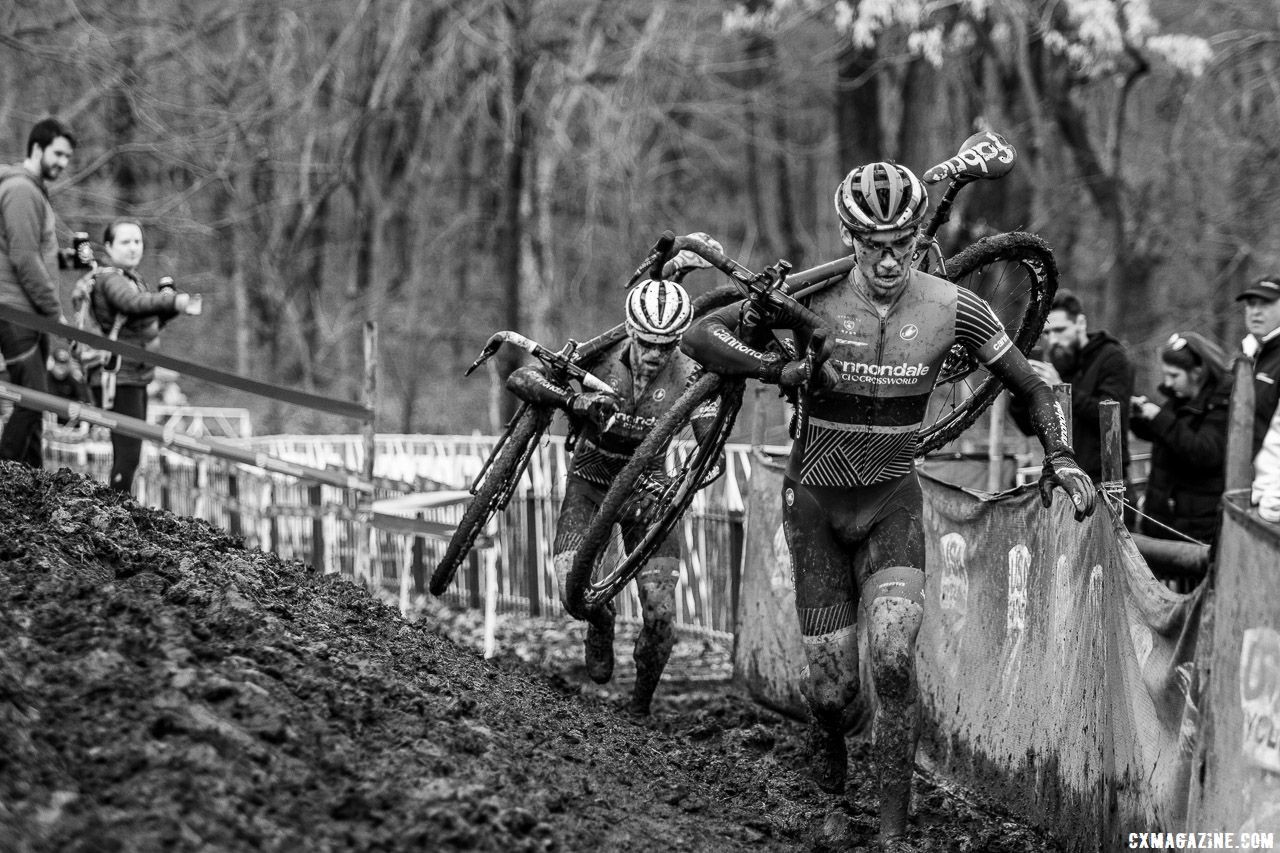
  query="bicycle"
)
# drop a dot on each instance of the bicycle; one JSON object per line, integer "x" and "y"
{"x": 658, "y": 502}
{"x": 498, "y": 478}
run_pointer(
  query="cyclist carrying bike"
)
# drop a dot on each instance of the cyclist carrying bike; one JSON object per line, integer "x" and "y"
{"x": 852, "y": 505}
{"x": 648, "y": 374}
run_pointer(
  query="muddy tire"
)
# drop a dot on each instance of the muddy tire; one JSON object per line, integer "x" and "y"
{"x": 493, "y": 489}
{"x": 594, "y": 580}
{"x": 1016, "y": 273}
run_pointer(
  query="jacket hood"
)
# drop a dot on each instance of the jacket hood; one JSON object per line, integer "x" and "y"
{"x": 1095, "y": 340}
{"x": 18, "y": 170}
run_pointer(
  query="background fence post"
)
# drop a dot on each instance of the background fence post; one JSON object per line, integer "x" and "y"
{"x": 233, "y": 500}
{"x": 364, "y": 500}
{"x": 995, "y": 444}
{"x": 1112, "y": 484}
{"x": 1239, "y": 472}
{"x": 473, "y": 579}
{"x": 166, "y": 501}
{"x": 317, "y": 528}
{"x": 419, "y": 563}
{"x": 532, "y": 575}
{"x": 737, "y": 539}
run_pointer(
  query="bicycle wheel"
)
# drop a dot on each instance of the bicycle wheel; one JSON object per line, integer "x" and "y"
{"x": 494, "y": 489}
{"x": 1016, "y": 273}
{"x": 718, "y": 297}
{"x": 688, "y": 465}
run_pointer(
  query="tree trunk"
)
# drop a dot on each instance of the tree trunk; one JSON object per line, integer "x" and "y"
{"x": 860, "y": 138}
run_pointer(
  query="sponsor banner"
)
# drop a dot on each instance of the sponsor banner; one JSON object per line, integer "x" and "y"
{"x": 1051, "y": 656}
{"x": 1236, "y": 777}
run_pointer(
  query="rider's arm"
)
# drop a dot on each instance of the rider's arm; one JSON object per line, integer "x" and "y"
{"x": 712, "y": 342}
{"x": 981, "y": 332}
{"x": 531, "y": 385}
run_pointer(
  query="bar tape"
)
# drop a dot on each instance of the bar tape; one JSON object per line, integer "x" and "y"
{"x": 218, "y": 377}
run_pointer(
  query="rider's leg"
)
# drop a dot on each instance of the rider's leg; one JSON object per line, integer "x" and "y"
{"x": 893, "y": 601}
{"x": 657, "y": 581}
{"x": 581, "y": 500}
{"x": 825, "y": 606}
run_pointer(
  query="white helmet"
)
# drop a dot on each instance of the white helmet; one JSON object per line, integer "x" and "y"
{"x": 881, "y": 197}
{"x": 658, "y": 312}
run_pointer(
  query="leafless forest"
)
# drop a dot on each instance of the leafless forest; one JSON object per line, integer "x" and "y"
{"x": 450, "y": 168}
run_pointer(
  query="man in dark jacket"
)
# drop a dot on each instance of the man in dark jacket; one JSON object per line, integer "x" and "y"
{"x": 1262, "y": 319}
{"x": 1098, "y": 369}
{"x": 28, "y": 256}
{"x": 1188, "y": 436}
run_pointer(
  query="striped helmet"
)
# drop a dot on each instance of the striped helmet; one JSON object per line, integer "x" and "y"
{"x": 658, "y": 312}
{"x": 881, "y": 197}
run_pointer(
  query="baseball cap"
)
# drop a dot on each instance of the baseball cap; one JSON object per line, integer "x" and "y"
{"x": 1263, "y": 288}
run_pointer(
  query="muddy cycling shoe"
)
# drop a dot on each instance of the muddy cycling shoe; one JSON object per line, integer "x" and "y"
{"x": 830, "y": 757}
{"x": 598, "y": 647}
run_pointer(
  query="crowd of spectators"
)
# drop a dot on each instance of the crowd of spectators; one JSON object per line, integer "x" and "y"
{"x": 117, "y": 301}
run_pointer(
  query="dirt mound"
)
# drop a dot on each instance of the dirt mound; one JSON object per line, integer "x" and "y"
{"x": 162, "y": 688}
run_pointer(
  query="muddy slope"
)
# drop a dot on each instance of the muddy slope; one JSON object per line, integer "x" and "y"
{"x": 161, "y": 688}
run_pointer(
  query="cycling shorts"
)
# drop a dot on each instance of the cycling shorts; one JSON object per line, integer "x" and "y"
{"x": 841, "y": 536}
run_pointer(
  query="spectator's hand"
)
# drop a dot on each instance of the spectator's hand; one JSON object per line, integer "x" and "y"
{"x": 594, "y": 407}
{"x": 1060, "y": 469}
{"x": 1141, "y": 407}
{"x": 1045, "y": 371}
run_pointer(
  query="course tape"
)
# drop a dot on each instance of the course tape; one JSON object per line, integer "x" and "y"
{"x": 181, "y": 441}
{"x": 187, "y": 368}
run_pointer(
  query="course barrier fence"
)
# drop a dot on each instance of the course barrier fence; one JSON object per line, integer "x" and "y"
{"x": 1236, "y": 776}
{"x": 318, "y": 523}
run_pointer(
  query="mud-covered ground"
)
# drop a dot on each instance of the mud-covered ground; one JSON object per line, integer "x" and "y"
{"x": 161, "y": 688}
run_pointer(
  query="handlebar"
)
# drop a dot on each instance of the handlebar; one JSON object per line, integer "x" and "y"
{"x": 771, "y": 286}
{"x": 561, "y": 361}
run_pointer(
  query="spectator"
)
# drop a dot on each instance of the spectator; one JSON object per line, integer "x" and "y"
{"x": 123, "y": 303}
{"x": 1188, "y": 436}
{"x": 1098, "y": 369}
{"x": 29, "y": 247}
{"x": 1262, "y": 319}
{"x": 1266, "y": 481}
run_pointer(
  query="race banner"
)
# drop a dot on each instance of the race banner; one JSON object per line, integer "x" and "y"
{"x": 1237, "y": 774}
{"x": 1051, "y": 656}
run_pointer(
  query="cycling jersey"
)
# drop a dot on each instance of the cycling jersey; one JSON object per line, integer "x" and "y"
{"x": 601, "y": 454}
{"x": 866, "y": 429}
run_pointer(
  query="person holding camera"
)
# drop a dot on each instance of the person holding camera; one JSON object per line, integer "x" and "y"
{"x": 1188, "y": 436}
{"x": 126, "y": 308}
{"x": 30, "y": 251}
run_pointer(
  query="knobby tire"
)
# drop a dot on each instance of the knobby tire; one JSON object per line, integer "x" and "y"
{"x": 1033, "y": 258}
{"x": 586, "y": 593}
{"x": 491, "y": 495}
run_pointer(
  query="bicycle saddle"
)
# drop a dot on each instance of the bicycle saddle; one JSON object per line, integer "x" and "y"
{"x": 986, "y": 154}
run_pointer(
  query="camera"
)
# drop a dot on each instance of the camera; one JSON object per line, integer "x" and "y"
{"x": 79, "y": 256}
{"x": 195, "y": 302}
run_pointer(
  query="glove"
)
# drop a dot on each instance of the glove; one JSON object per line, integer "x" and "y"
{"x": 1060, "y": 469}
{"x": 797, "y": 372}
{"x": 687, "y": 259}
{"x": 594, "y": 407}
